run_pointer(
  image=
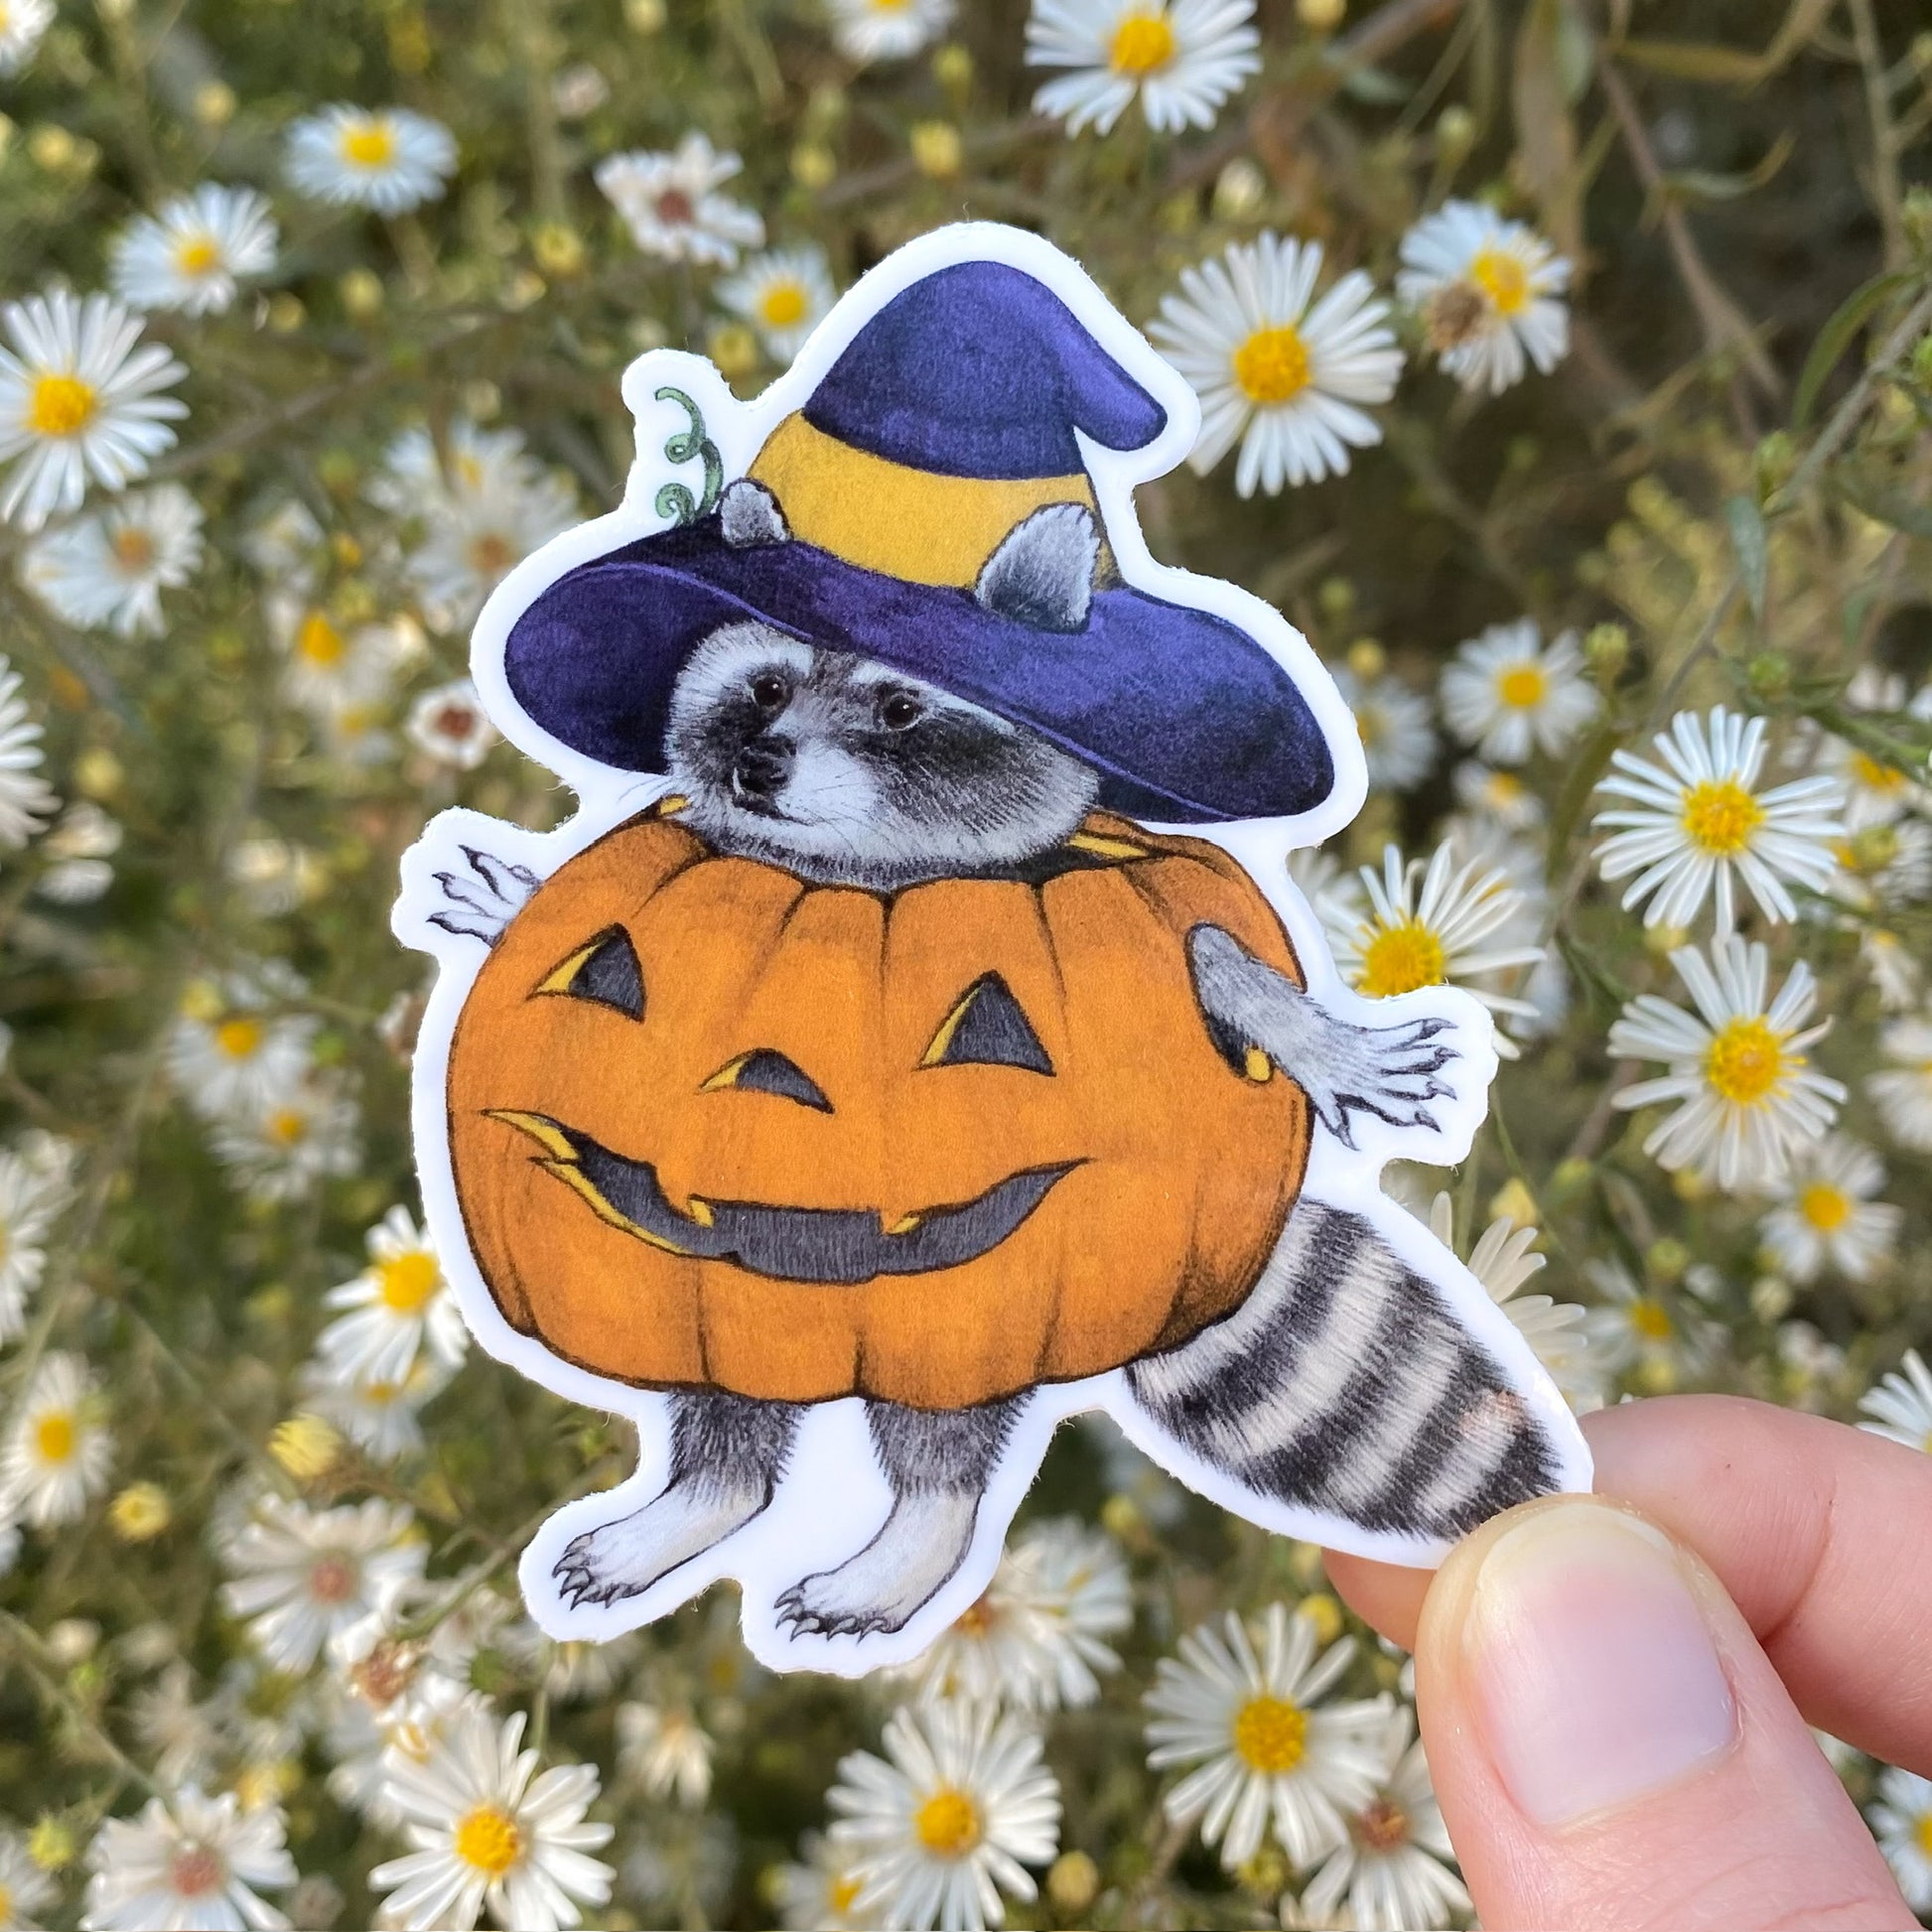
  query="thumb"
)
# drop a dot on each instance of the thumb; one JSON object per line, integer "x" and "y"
{"x": 1612, "y": 1750}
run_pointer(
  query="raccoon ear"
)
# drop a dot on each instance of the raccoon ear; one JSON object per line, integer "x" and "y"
{"x": 1043, "y": 572}
{"x": 748, "y": 515}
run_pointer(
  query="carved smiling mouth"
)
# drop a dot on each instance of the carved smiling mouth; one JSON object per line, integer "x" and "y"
{"x": 800, "y": 1244}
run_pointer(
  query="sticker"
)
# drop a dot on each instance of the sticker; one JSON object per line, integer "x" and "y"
{"x": 914, "y": 1038}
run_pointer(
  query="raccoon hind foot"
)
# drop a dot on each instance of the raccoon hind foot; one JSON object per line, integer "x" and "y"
{"x": 626, "y": 1557}
{"x": 921, "y": 1544}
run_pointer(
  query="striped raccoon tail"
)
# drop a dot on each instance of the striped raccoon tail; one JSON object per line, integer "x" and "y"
{"x": 1345, "y": 1384}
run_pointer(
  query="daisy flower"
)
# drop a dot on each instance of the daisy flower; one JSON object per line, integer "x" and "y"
{"x": 1036, "y": 1638}
{"x": 1901, "y": 1407}
{"x": 1750, "y": 1096}
{"x": 31, "y": 1201}
{"x": 191, "y": 256}
{"x": 57, "y": 1449}
{"x": 482, "y": 512}
{"x": 398, "y": 1308}
{"x": 822, "y": 1893}
{"x": 1426, "y": 926}
{"x": 665, "y": 1748}
{"x": 490, "y": 1829}
{"x": 1393, "y": 1870}
{"x": 1502, "y": 1259}
{"x": 1507, "y": 693}
{"x": 948, "y": 1819}
{"x": 282, "y": 545}
{"x": 78, "y": 850}
{"x": 1243, "y": 1709}
{"x": 1499, "y": 797}
{"x": 1653, "y": 1339}
{"x": 189, "y": 1861}
{"x": 450, "y": 726}
{"x": 106, "y": 572}
{"x": 303, "y": 1137}
{"x": 22, "y": 23}
{"x": 1901, "y": 1821}
{"x": 1882, "y": 866}
{"x": 1698, "y": 817}
{"x": 1181, "y": 57}
{"x": 24, "y": 1887}
{"x": 865, "y": 30}
{"x": 1902, "y": 1092}
{"x": 79, "y": 399}
{"x": 1276, "y": 370}
{"x": 230, "y": 1052}
{"x": 1393, "y": 723}
{"x": 25, "y": 799}
{"x": 1826, "y": 1215}
{"x": 1488, "y": 293}
{"x": 783, "y": 295}
{"x": 671, "y": 204}
{"x": 378, "y": 1415}
{"x": 176, "y": 1728}
{"x": 302, "y": 1575}
{"x": 1877, "y": 792}
{"x": 1896, "y": 975}
{"x": 388, "y": 159}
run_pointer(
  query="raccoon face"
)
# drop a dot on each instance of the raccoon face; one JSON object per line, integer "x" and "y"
{"x": 846, "y": 771}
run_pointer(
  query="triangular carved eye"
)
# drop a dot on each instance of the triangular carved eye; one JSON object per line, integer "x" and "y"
{"x": 987, "y": 1028}
{"x": 769, "y": 1071}
{"x": 606, "y": 971}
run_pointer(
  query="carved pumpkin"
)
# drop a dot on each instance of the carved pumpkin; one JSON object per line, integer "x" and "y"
{"x": 715, "y": 1126}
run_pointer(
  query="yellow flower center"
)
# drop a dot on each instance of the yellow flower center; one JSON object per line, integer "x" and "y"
{"x": 979, "y": 1618}
{"x": 1143, "y": 44}
{"x": 781, "y": 305}
{"x": 196, "y": 254}
{"x": 1720, "y": 816}
{"x": 406, "y": 1281}
{"x": 333, "y": 1581}
{"x": 490, "y": 1840}
{"x": 1400, "y": 958}
{"x": 1502, "y": 278}
{"x": 1383, "y": 1827}
{"x": 1522, "y": 686}
{"x": 1826, "y": 1207}
{"x": 368, "y": 144}
{"x": 843, "y": 1893}
{"x": 238, "y": 1040}
{"x": 1651, "y": 1320}
{"x": 1271, "y": 1735}
{"x": 133, "y": 549}
{"x": 55, "y": 1436}
{"x": 62, "y": 405}
{"x": 286, "y": 1127}
{"x": 1873, "y": 775}
{"x": 1745, "y": 1061}
{"x": 6, "y": 1897}
{"x": 319, "y": 641}
{"x": 889, "y": 7}
{"x": 379, "y": 1395}
{"x": 491, "y": 553}
{"x": 1272, "y": 365}
{"x": 947, "y": 1824}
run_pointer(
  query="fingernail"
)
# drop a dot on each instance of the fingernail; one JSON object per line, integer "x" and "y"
{"x": 1596, "y": 1678}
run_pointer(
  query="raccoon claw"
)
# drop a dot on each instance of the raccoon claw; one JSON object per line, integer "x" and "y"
{"x": 625, "y": 1557}
{"x": 483, "y": 907}
{"x": 893, "y": 1576}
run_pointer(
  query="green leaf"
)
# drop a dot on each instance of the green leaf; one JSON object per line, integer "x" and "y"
{"x": 1376, "y": 86}
{"x": 1747, "y": 539}
{"x": 1834, "y": 338}
{"x": 1889, "y": 505}
{"x": 1728, "y": 65}
{"x": 1699, "y": 185}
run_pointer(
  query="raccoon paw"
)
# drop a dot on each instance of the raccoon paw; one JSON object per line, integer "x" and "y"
{"x": 1388, "y": 1071}
{"x": 625, "y": 1557}
{"x": 483, "y": 907}
{"x": 892, "y": 1577}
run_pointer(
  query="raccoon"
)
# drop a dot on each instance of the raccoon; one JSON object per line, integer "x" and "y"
{"x": 1342, "y": 1383}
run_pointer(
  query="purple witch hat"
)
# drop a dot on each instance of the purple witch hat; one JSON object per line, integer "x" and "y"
{"x": 948, "y": 422}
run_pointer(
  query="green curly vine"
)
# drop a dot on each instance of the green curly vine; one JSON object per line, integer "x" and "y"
{"x": 674, "y": 500}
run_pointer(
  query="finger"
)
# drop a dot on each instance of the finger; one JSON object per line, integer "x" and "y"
{"x": 1612, "y": 1750}
{"x": 1821, "y": 1534}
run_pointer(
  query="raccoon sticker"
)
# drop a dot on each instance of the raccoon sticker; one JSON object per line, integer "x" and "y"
{"x": 914, "y": 1037}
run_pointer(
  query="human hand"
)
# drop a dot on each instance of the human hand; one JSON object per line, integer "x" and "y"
{"x": 1614, "y": 1705}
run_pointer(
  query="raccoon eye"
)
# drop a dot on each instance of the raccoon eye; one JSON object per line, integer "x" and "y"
{"x": 900, "y": 710}
{"x": 770, "y": 691}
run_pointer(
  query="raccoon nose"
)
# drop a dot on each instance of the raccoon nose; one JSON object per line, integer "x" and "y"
{"x": 763, "y": 767}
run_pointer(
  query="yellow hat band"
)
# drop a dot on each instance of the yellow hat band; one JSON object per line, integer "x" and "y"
{"x": 914, "y": 524}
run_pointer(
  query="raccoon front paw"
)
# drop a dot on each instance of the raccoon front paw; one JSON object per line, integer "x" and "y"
{"x": 1388, "y": 1071}
{"x": 892, "y": 1577}
{"x": 625, "y": 1557}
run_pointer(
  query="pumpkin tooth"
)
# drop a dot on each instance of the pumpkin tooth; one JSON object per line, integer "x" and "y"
{"x": 541, "y": 1129}
{"x": 699, "y": 1211}
{"x": 904, "y": 1225}
{"x": 574, "y": 1178}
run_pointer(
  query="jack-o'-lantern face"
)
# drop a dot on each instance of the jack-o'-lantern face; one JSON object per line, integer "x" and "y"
{"x": 714, "y": 1126}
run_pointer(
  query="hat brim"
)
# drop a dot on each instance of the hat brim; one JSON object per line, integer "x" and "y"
{"x": 1186, "y": 718}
